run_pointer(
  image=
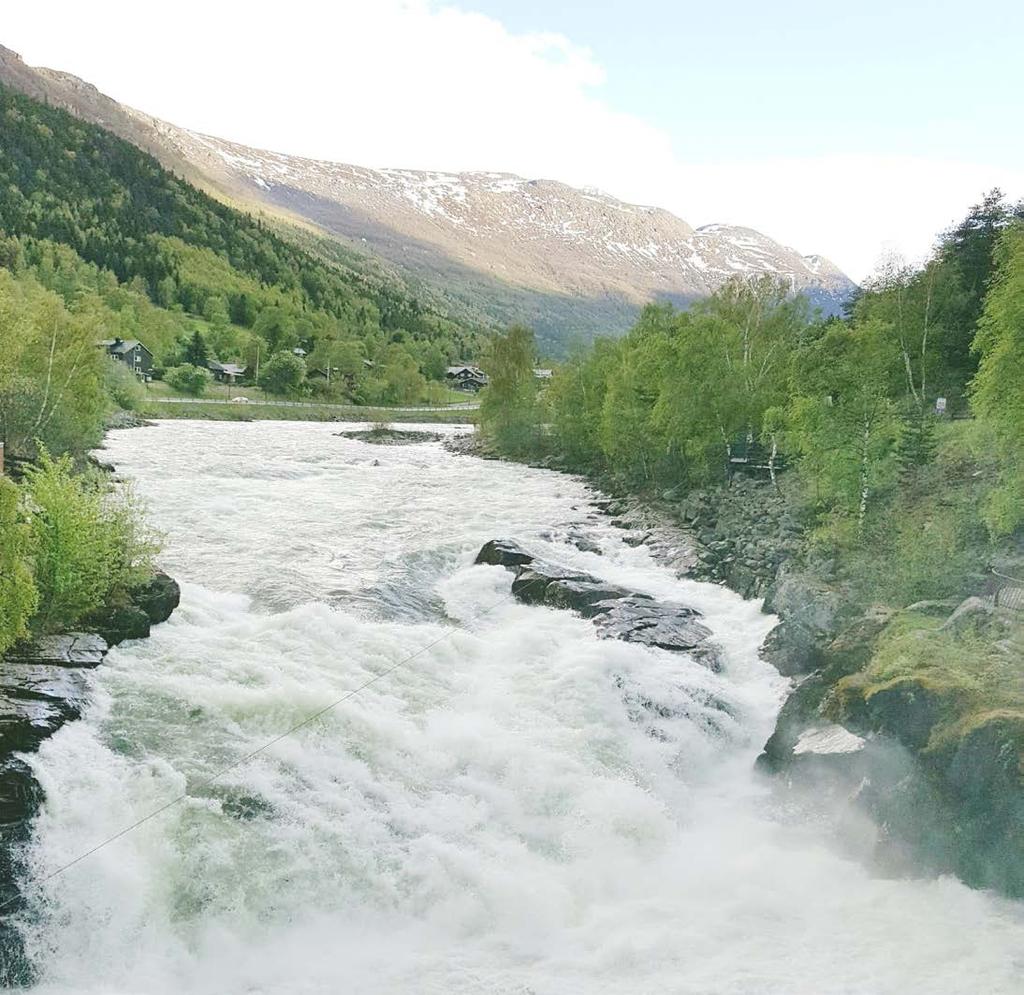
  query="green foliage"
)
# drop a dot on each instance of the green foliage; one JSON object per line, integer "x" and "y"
{"x": 187, "y": 379}
{"x": 123, "y": 387}
{"x": 998, "y": 391}
{"x": 663, "y": 405}
{"x": 86, "y": 547}
{"x": 917, "y": 444}
{"x": 841, "y": 421}
{"x": 402, "y": 382}
{"x": 195, "y": 352}
{"x": 18, "y": 595}
{"x": 51, "y": 372}
{"x": 509, "y": 413}
{"x": 283, "y": 374}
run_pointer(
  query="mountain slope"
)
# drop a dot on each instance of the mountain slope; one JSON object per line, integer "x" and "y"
{"x": 66, "y": 182}
{"x": 571, "y": 262}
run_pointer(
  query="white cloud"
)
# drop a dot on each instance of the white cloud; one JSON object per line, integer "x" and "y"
{"x": 393, "y": 83}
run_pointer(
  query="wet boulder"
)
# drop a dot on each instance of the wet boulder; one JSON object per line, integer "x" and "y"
{"x": 582, "y": 594}
{"x": 158, "y": 597}
{"x": 117, "y": 625}
{"x": 639, "y": 619}
{"x": 503, "y": 553}
{"x": 618, "y": 612}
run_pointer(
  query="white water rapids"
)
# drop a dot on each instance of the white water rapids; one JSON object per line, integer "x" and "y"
{"x": 502, "y": 814}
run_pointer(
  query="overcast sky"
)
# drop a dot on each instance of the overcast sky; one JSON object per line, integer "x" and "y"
{"x": 845, "y": 129}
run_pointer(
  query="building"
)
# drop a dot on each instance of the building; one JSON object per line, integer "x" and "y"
{"x": 225, "y": 372}
{"x": 468, "y": 378}
{"x": 542, "y": 375}
{"x": 132, "y": 353}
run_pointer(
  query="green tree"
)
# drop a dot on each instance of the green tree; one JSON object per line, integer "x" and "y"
{"x": 51, "y": 373}
{"x": 509, "y": 413}
{"x": 187, "y": 379}
{"x": 998, "y": 389}
{"x": 18, "y": 595}
{"x": 403, "y": 382}
{"x": 195, "y": 352}
{"x": 283, "y": 374}
{"x": 842, "y": 422}
{"x": 277, "y": 328}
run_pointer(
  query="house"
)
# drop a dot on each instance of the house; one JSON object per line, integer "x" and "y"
{"x": 132, "y": 353}
{"x": 468, "y": 378}
{"x": 542, "y": 375}
{"x": 225, "y": 372}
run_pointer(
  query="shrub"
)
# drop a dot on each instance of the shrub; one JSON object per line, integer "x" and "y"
{"x": 18, "y": 595}
{"x": 88, "y": 545}
{"x": 283, "y": 374}
{"x": 123, "y": 387}
{"x": 191, "y": 380}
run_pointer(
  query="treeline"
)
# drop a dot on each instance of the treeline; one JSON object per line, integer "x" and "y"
{"x": 80, "y": 208}
{"x": 850, "y": 406}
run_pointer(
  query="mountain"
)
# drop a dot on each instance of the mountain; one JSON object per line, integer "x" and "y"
{"x": 92, "y": 214}
{"x": 571, "y": 262}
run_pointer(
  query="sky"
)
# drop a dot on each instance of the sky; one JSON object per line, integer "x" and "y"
{"x": 850, "y": 130}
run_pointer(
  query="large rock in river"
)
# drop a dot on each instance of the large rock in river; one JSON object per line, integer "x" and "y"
{"x": 618, "y": 612}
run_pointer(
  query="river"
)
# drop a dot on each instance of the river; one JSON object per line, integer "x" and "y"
{"x": 500, "y": 813}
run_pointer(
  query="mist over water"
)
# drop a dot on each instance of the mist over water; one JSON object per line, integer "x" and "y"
{"x": 521, "y": 808}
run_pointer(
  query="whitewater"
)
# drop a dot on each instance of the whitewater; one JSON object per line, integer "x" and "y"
{"x": 519, "y": 806}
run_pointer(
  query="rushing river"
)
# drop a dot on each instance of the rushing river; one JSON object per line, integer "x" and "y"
{"x": 499, "y": 814}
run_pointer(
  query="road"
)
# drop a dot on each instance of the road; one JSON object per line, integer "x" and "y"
{"x": 364, "y": 409}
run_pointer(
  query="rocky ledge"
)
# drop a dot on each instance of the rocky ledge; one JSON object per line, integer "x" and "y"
{"x": 44, "y": 684}
{"x": 391, "y": 436}
{"x": 617, "y": 612}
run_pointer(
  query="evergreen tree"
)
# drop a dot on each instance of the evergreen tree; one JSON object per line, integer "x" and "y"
{"x": 196, "y": 353}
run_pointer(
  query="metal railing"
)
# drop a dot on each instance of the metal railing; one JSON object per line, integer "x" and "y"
{"x": 1009, "y": 592}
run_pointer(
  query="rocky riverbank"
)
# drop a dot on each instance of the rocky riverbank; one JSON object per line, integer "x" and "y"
{"x": 44, "y": 684}
{"x": 905, "y": 723}
{"x": 898, "y": 712}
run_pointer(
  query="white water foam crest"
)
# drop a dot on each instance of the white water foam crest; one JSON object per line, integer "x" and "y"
{"x": 522, "y": 808}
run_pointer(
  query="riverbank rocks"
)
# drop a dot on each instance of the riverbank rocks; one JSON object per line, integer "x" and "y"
{"x": 158, "y": 597}
{"x": 745, "y": 531}
{"x": 617, "y": 612}
{"x": 147, "y": 605}
{"x": 391, "y": 436}
{"x": 43, "y": 684}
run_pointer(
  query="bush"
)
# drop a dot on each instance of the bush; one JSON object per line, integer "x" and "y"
{"x": 191, "y": 380}
{"x": 283, "y": 374}
{"x": 88, "y": 546}
{"x": 18, "y": 595}
{"x": 123, "y": 387}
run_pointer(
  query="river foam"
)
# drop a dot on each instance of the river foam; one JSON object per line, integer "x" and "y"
{"x": 517, "y": 807}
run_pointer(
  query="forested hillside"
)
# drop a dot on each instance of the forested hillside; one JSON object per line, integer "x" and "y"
{"x": 68, "y": 185}
{"x": 867, "y": 476}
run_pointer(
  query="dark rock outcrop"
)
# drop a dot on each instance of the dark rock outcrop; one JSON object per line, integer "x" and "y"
{"x": 503, "y": 553}
{"x": 158, "y": 598}
{"x": 618, "y": 612}
{"x": 148, "y": 605}
{"x": 44, "y": 684}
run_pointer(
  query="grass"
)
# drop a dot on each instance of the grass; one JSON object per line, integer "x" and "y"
{"x": 977, "y": 668}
